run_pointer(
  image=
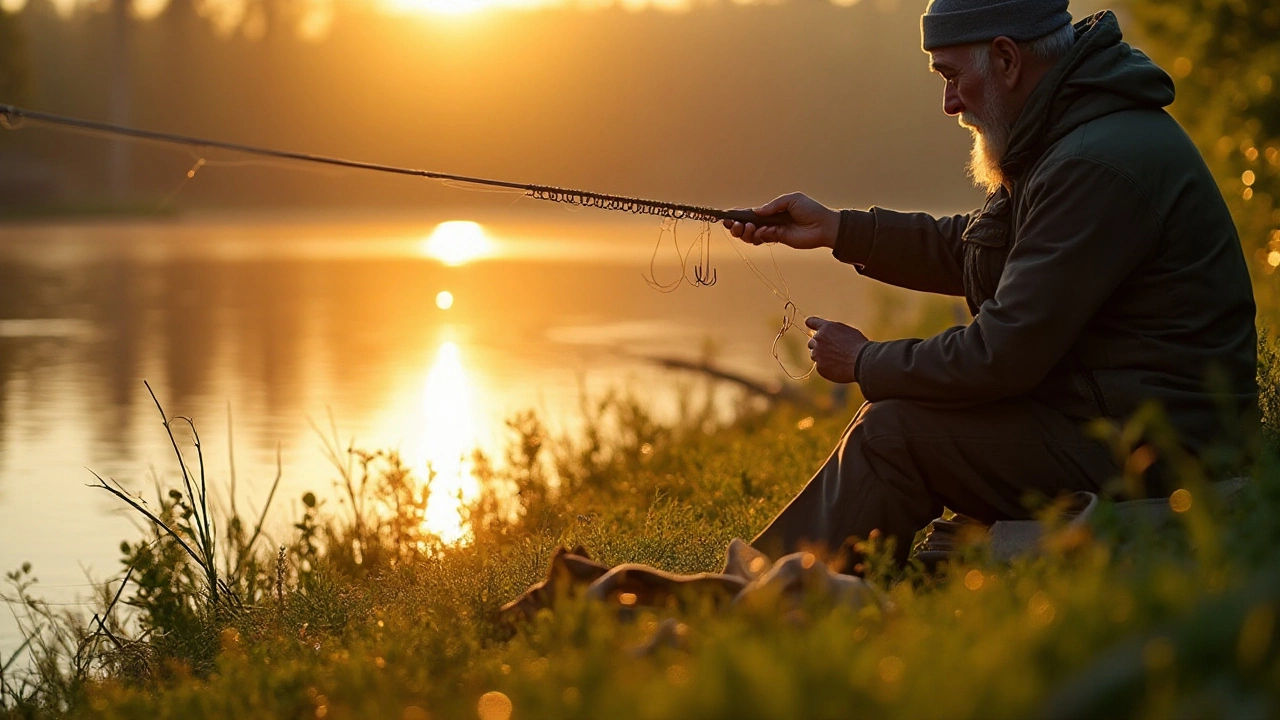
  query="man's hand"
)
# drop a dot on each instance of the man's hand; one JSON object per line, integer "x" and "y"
{"x": 834, "y": 347}
{"x": 813, "y": 225}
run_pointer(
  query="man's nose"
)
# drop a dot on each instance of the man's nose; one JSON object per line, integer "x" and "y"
{"x": 951, "y": 104}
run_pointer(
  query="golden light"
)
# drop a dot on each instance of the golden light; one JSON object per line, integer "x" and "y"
{"x": 456, "y": 8}
{"x": 444, "y": 299}
{"x": 974, "y": 579}
{"x": 466, "y": 8}
{"x": 493, "y": 705}
{"x": 449, "y": 436}
{"x": 457, "y": 242}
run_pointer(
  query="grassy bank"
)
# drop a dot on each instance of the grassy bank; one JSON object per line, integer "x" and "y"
{"x": 362, "y": 613}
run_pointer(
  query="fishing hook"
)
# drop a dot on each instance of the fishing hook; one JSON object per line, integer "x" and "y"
{"x": 703, "y": 274}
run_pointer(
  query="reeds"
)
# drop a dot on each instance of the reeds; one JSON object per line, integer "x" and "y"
{"x": 195, "y": 530}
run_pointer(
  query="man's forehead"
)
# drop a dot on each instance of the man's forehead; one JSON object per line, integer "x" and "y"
{"x": 949, "y": 58}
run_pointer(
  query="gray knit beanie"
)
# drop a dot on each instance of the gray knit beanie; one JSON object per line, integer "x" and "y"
{"x": 961, "y": 22}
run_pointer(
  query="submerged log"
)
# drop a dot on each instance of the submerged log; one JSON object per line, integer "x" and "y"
{"x": 777, "y": 392}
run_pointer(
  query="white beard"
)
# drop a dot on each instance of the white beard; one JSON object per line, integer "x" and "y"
{"x": 985, "y": 157}
{"x": 991, "y": 127}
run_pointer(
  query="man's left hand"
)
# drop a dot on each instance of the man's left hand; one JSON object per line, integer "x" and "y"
{"x": 834, "y": 347}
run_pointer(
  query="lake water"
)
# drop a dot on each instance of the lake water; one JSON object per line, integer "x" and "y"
{"x": 271, "y": 326}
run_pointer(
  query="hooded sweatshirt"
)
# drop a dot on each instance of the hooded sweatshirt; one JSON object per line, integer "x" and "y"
{"x": 1108, "y": 275}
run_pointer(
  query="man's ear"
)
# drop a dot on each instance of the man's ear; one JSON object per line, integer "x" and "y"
{"x": 1006, "y": 61}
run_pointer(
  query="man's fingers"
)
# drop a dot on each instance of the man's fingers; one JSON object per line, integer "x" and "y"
{"x": 815, "y": 322}
{"x": 779, "y": 203}
{"x": 770, "y": 207}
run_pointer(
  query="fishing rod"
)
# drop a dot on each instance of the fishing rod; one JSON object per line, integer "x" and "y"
{"x": 12, "y": 117}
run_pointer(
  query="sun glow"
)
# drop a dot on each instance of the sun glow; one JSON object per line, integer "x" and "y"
{"x": 449, "y": 436}
{"x": 469, "y": 8}
{"x": 457, "y": 242}
{"x": 462, "y": 7}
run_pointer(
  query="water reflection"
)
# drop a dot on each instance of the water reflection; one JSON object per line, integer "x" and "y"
{"x": 449, "y": 435}
{"x": 286, "y": 325}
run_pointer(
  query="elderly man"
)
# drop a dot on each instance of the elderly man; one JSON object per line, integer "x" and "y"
{"x": 1103, "y": 272}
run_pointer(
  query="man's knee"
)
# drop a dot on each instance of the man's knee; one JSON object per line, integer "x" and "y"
{"x": 885, "y": 419}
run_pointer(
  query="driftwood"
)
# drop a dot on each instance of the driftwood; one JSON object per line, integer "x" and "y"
{"x": 773, "y": 392}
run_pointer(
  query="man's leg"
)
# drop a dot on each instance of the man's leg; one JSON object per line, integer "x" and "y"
{"x": 899, "y": 462}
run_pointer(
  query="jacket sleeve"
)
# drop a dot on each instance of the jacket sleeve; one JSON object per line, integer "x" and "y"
{"x": 1088, "y": 226}
{"x": 912, "y": 250}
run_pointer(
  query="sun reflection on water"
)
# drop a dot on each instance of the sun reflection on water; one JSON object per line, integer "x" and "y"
{"x": 449, "y": 436}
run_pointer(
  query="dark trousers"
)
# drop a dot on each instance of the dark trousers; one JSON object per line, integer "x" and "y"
{"x": 900, "y": 462}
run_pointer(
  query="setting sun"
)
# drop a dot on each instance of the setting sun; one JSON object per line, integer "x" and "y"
{"x": 457, "y": 242}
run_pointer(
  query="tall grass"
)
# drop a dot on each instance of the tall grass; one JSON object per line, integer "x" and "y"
{"x": 364, "y": 613}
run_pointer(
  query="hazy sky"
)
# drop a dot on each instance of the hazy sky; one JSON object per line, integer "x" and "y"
{"x": 722, "y": 104}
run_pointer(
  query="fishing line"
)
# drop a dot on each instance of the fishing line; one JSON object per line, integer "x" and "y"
{"x": 14, "y": 118}
{"x": 703, "y": 274}
{"x": 783, "y": 293}
{"x": 667, "y": 226}
{"x": 191, "y": 174}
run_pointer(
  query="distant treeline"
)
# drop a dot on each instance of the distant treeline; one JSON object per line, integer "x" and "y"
{"x": 723, "y": 104}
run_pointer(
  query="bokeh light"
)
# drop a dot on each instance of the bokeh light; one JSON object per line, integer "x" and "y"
{"x": 494, "y": 705}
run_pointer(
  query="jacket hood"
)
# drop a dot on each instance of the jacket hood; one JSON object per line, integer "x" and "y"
{"x": 1100, "y": 75}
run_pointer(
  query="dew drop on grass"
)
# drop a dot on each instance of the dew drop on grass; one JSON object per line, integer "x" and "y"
{"x": 1041, "y": 609}
{"x": 974, "y": 579}
{"x": 891, "y": 669}
{"x": 571, "y": 696}
{"x": 494, "y": 705}
{"x": 413, "y": 712}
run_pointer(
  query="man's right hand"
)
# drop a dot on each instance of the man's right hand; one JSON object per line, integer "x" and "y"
{"x": 813, "y": 224}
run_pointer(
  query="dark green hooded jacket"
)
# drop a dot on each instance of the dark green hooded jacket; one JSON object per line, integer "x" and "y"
{"x": 1109, "y": 275}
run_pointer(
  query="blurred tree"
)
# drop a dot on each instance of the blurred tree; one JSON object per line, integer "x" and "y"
{"x": 120, "y": 96}
{"x": 13, "y": 60}
{"x": 1225, "y": 58}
